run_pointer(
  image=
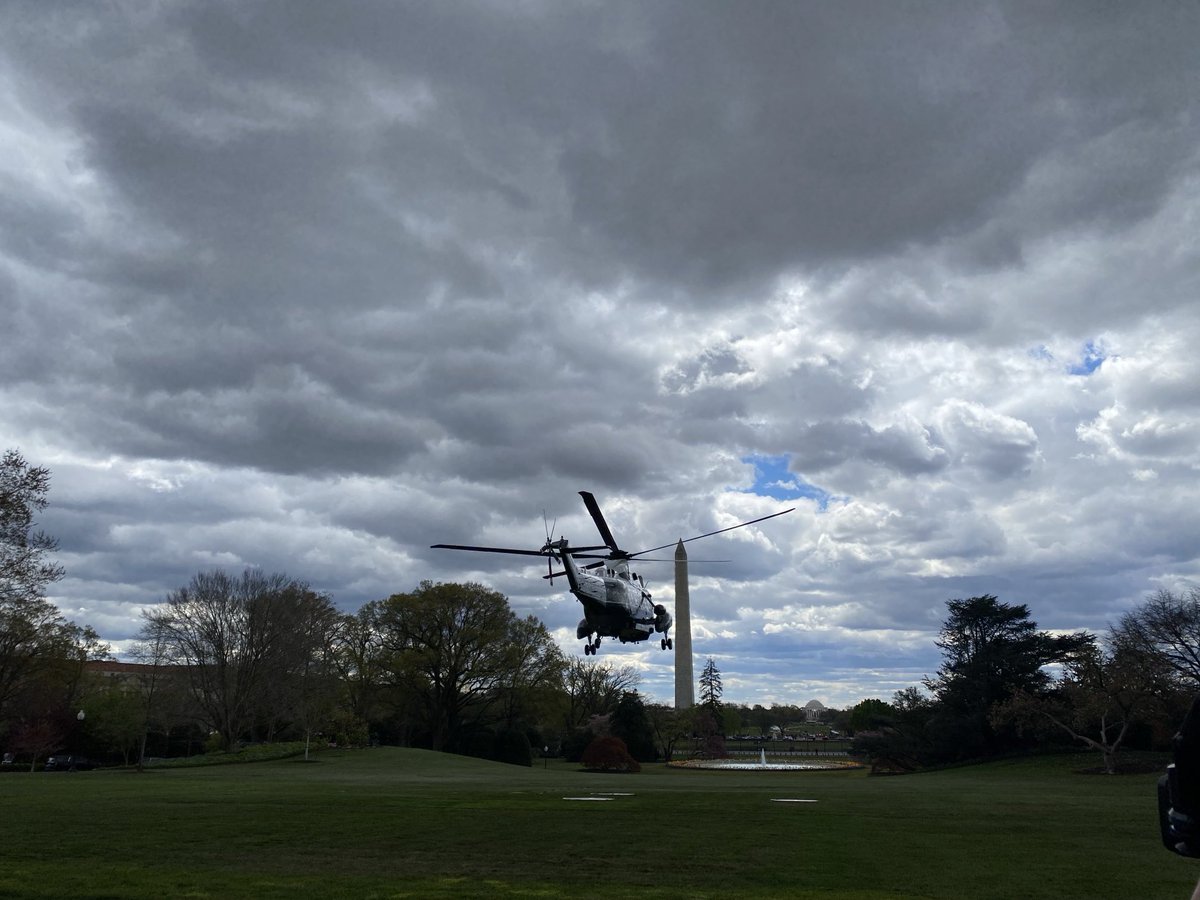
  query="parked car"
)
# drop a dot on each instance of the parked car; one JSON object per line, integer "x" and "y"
{"x": 69, "y": 763}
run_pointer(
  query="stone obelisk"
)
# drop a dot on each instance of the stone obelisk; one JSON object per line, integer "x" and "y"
{"x": 685, "y": 693}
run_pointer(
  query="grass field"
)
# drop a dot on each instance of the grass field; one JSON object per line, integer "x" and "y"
{"x": 409, "y": 823}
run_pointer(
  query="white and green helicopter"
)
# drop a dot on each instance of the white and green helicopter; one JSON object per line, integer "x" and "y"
{"x": 615, "y": 600}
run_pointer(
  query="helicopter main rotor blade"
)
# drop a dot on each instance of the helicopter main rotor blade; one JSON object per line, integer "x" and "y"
{"x": 488, "y": 549}
{"x": 641, "y": 559}
{"x": 598, "y": 517}
{"x": 718, "y": 531}
{"x": 512, "y": 550}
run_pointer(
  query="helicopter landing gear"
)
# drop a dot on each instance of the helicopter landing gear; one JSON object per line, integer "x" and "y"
{"x": 590, "y": 648}
{"x": 666, "y": 644}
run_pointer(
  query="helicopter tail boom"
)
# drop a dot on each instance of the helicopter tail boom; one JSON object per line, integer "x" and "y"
{"x": 560, "y": 551}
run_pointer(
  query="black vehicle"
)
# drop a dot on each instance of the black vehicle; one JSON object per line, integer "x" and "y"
{"x": 1179, "y": 789}
{"x": 69, "y": 764}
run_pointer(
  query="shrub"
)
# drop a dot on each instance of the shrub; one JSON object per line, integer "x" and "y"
{"x": 713, "y": 747}
{"x": 576, "y": 742}
{"x": 609, "y": 754}
{"x": 513, "y": 747}
{"x": 480, "y": 743}
{"x": 347, "y": 730}
{"x": 890, "y": 751}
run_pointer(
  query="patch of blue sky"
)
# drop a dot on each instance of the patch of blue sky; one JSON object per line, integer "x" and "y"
{"x": 772, "y": 479}
{"x": 1091, "y": 356}
{"x": 1090, "y": 360}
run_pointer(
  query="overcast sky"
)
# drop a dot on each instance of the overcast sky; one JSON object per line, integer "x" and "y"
{"x": 309, "y": 287}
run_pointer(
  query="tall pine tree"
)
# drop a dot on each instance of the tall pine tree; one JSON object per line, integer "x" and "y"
{"x": 710, "y": 688}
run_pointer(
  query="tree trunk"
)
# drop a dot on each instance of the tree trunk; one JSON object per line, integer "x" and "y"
{"x": 1110, "y": 759}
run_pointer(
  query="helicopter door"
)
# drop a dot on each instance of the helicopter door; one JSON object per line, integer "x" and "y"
{"x": 615, "y": 594}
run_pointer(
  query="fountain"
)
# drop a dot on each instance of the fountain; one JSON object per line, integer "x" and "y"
{"x": 763, "y": 766}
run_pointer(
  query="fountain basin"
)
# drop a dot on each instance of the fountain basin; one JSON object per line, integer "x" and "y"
{"x": 815, "y": 765}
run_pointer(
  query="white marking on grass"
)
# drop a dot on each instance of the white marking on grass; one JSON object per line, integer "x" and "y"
{"x": 587, "y": 798}
{"x": 790, "y": 800}
{"x": 614, "y": 794}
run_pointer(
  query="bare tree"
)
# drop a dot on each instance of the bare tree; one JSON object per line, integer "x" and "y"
{"x": 1166, "y": 625}
{"x": 232, "y": 636}
{"x": 307, "y": 664}
{"x": 670, "y": 727}
{"x": 159, "y": 687}
{"x": 1102, "y": 693}
{"x": 594, "y": 688}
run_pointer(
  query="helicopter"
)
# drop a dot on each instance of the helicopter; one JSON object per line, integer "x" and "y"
{"x": 615, "y": 600}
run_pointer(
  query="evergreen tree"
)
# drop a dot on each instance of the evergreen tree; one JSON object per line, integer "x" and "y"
{"x": 991, "y": 651}
{"x": 710, "y": 688}
{"x": 631, "y": 724}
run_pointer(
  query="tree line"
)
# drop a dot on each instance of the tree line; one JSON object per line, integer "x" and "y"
{"x": 1005, "y": 686}
{"x": 229, "y": 658}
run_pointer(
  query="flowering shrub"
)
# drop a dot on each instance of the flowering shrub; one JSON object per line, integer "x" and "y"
{"x": 609, "y": 754}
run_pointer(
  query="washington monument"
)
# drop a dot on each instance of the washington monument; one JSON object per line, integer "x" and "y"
{"x": 685, "y": 693}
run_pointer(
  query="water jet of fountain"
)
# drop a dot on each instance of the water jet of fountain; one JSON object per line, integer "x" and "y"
{"x": 762, "y": 759}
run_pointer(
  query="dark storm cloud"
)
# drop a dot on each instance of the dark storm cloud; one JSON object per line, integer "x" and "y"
{"x": 901, "y": 306}
{"x": 825, "y": 445}
{"x": 789, "y": 134}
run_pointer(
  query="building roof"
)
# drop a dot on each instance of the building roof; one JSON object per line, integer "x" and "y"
{"x": 113, "y": 667}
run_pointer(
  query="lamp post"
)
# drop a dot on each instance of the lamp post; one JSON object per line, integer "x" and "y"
{"x": 546, "y": 757}
{"x": 79, "y": 717}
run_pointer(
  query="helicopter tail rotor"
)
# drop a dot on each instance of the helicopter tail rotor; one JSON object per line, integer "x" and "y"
{"x": 549, "y": 555}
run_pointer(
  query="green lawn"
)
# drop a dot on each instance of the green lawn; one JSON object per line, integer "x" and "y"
{"x": 408, "y": 823}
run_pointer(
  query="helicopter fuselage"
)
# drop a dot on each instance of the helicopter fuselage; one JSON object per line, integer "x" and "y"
{"x": 615, "y": 603}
